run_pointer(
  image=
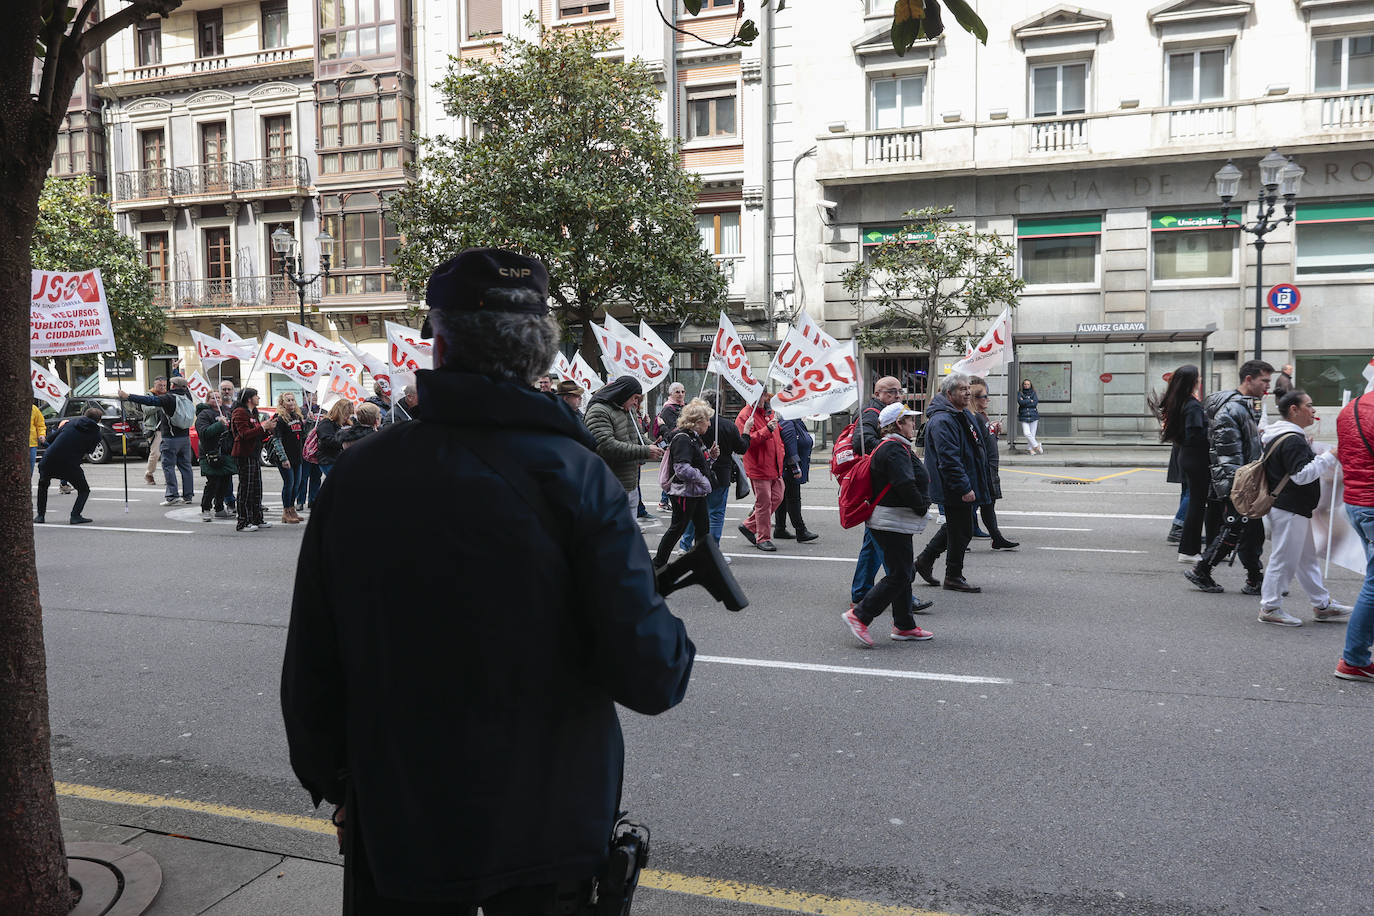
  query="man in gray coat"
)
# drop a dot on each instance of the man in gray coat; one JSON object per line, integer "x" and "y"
{"x": 611, "y": 421}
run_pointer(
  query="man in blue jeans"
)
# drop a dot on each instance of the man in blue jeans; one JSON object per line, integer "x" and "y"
{"x": 886, "y": 390}
{"x": 1355, "y": 451}
{"x": 176, "y": 440}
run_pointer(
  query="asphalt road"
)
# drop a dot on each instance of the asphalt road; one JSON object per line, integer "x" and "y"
{"x": 1089, "y": 735}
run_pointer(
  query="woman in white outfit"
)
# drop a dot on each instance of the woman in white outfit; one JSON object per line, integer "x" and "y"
{"x": 1293, "y": 552}
{"x": 1028, "y": 415}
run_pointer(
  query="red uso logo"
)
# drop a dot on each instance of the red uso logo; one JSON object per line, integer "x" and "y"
{"x": 732, "y": 352}
{"x": 401, "y": 359}
{"x": 793, "y": 358}
{"x": 996, "y": 341}
{"x": 42, "y": 383}
{"x": 203, "y": 351}
{"x": 56, "y": 287}
{"x": 821, "y": 379}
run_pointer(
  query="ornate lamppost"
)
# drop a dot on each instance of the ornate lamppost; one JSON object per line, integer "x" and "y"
{"x": 1279, "y": 175}
{"x": 285, "y": 244}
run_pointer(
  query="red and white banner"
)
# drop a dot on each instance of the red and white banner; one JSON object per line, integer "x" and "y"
{"x": 213, "y": 351}
{"x": 48, "y": 387}
{"x": 796, "y": 354}
{"x": 730, "y": 360}
{"x": 561, "y": 367}
{"x": 830, "y": 387}
{"x": 407, "y": 353}
{"x": 582, "y": 373}
{"x": 813, "y": 333}
{"x": 622, "y": 353}
{"x": 68, "y": 314}
{"x": 992, "y": 352}
{"x": 375, "y": 366}
{"x": 651, "y": 338}
{"x": 302, "y": 364}
{"x": 248, "y": 345}
{"x": 311, "y": 339}
{"x": 338, "y": 384}
{"x": 199, "y": 387}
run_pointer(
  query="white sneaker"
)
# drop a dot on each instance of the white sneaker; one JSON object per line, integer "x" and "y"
{"x": 1332, "y": 613}
{"x": 1279, "y": 617}
{"x": 1191, "y": 561}
{"x": 206, "y": 517}
{"x": 249, "y": 528}
{"x": 264, "y": 525}
{"x": 173, "y": 501}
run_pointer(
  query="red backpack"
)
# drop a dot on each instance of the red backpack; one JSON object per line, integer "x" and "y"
{"x": 856, "y": 491}
{"x": 842, "y": 454}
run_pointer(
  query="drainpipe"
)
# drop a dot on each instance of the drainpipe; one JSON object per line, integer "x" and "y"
{"x": 766, "y": 150}
{"x": 798, "y": 286}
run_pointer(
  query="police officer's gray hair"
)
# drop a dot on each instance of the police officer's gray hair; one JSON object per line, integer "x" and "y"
{"x": 514, "y": 345}
{"x": 952, "y": 381}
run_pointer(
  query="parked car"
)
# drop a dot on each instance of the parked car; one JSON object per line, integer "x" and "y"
{"x": 118, "y": 434}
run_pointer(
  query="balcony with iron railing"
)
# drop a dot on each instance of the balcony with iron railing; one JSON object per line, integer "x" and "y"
{"x": 249, "y": 66}
{"x": 731, "y": 267}
{"x": 262, "y": 294}
{"x": 251, "y": 179}
{"x": 1210, "y": 129}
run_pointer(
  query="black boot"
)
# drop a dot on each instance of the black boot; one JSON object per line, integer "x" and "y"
{"x": 1254, "y": 579}
{"x": 783, "y": 534}
{"x": 1201, "y": 576}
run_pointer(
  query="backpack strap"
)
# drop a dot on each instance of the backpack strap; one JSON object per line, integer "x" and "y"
{"x": 1265, "y": 461}
{"x": 1360, "y": 429}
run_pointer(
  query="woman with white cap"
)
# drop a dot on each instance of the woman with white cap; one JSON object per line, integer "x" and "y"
{"x": 900, "y": 487}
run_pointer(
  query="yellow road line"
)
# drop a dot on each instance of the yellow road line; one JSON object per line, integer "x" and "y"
{"x": 717, "y": 889}
{"x": 1079, "y": 479}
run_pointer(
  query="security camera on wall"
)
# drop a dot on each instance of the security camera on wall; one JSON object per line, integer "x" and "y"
{"x": 828, "y": 210}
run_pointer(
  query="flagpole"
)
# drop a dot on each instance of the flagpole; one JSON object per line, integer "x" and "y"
{"x": 124, "y": 453}
{"x": 1331, "y": 521}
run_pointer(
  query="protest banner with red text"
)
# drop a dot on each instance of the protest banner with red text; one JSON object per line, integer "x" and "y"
{"x": 374, "y": 365}
{"x": 303, "y": 365}
{"x": 213, "y": 351}
{"x": 68, "y": 314}
{"x": 796, "y": 354}
{"x": 561, "y": 367}
{"x": 812, "y": 332}
{"x": 829, "y": 387}
{"x": 622, "y": 354}
{"x": 992, "y": 352}
{"x": 339, "y": 384}
{"x": 47, "y": 387}
{"x": 730, "y": 360}
{"x": 199, "y": 387}
{"x": 582, "y": 373}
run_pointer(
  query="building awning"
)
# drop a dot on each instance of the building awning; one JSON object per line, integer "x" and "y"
{"x": 1183, "y": 335}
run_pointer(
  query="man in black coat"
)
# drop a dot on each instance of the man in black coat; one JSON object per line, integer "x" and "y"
{"x": 62, "y": 461}
{"x": 457, "y": 698}
{"x": 958, "y": 471}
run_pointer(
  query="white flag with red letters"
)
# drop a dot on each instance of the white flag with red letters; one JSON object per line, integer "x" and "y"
{"x": 992, "y": 352}
{"x": 199, "y": 386}
{"x": 730, "y": 360}
{"x": 795, "y": 355}
{"x": 622, "y": 353}
{"x": 582, "y": 373}
{"x": 828, "y": 387}
{"x": 304, "y": 365}
{"x": 48, "y": 387}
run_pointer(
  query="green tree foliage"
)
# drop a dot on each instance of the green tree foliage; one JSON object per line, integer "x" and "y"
{"x": 76, "y": 231}
{"x": 569, "y": 166}
{"x": 930, "y": 283}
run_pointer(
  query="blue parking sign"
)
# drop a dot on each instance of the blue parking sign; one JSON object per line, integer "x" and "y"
{"x": 1284, "y": 298}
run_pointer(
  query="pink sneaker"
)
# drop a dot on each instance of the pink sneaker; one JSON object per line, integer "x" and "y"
{"x": 1351, "y": 673}
{"x": 857, "y": 627}
{"x": 914, "y": 634}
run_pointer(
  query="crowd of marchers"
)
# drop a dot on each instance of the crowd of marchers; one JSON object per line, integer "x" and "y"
{"x": 1240, "y": 470}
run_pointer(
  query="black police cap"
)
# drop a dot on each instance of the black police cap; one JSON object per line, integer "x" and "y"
{"x": 490, "y": 280}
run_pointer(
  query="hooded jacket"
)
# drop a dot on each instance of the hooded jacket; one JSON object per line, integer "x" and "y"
{"x": 167, "y": 405}
{"x": 1027, "y": 405}
{"x": 210, "y": 430}
{"x": 954, "y": 454}
{"x": 69, "y": 445}
{"x": 38, "y": 427}
{"x": 474, "y": 764}
{"x": 1293, "y": 456}
{"x": 619, "y": 440}
{"x": 1233, "y": 438}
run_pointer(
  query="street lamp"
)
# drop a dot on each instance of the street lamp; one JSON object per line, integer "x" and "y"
{"x": 284, "y": 244}
{"x": 1279, "y": 175}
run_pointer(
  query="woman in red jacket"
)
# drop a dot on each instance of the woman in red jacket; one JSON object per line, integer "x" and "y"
{"x": 763, "y": 466}
{"x": 248, "y": 436}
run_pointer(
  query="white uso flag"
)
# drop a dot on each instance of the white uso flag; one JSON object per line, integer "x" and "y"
{"x": 301, "y": 364}
{"x": 623, "y": 353}
{"x": 375, "y": 366}
{"x": 812, "y": 332}
{"x": 199, "y": 386}
{"x": 795, "y": 355}
{"x": 339, "y": 384}
{"x": 48, "y": 387}
{"x": 68, "y": 314}
{"x": 308, "y": 338}
{"x": 658, "y": 344}
{"x": 829, "y": 387}
{"x": 407, "y": 353}
{"x": 730, "y": 360}
{"x": 582, "y": 373}
{"x": 561, "y": 367}
{"x": 213, "y": 351}
{"x": 993, "y": 350}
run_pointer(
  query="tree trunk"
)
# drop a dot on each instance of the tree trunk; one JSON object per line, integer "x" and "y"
{"x": 33, "y": 872}
{"x": 591, "y": 350}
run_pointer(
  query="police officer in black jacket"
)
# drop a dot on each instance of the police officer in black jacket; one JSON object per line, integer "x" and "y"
{"x": 62, "y": 461}
{"x": 457, "y": 697}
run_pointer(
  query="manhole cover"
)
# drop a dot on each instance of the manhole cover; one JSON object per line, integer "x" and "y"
{"x": 1071, "y": 483}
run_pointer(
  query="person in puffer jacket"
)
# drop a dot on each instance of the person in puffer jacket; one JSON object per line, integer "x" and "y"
{"x": 900, "y": 513}
{"x": 691, "y": 481}
{"x": 1233, "y": 441}
{"x": 1294, "y": 553}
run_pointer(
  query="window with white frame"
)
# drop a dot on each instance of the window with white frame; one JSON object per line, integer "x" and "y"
{"x": 1059, "y": 89}
{"x": 1196, "y": 76}
{"x": 482, "y": 18}
{"x": 570, "y": 9}
{"x": 1343, "y": 63}
{"x": 897, "y": 102}
{"x": 719, "y": 232}
{"x": 1335, "y": 237}
{"x": 711, "y": 112}
{"x": 1192, "y": 245}
{"x": 1059, "y": 250}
